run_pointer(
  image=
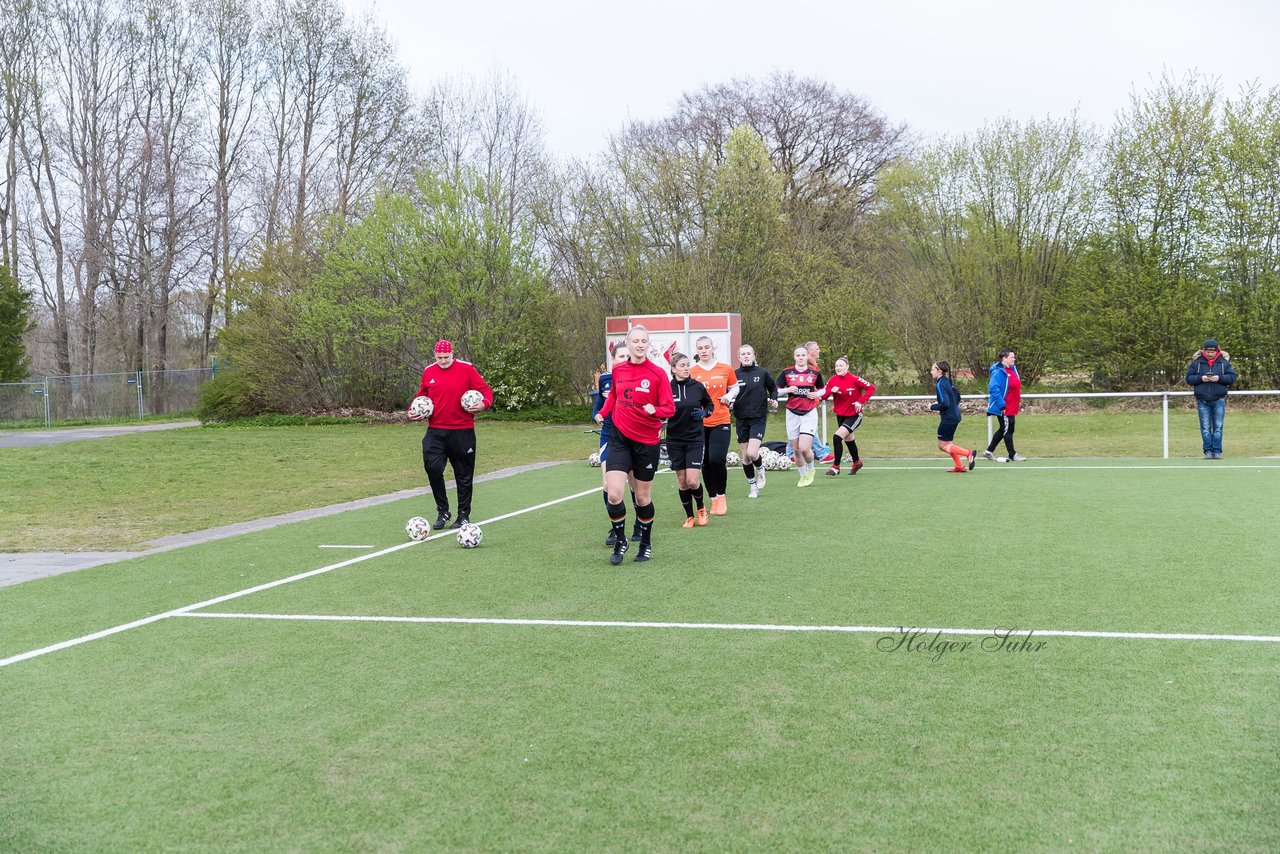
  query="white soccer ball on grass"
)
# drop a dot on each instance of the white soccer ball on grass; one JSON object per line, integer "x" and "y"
{"x": 417, "y": 528}
{"x": 732, "y": 459}
{"x": 594, "y": 459}
{"x": 470, "y": 535}
{"x": 422, "y": 407}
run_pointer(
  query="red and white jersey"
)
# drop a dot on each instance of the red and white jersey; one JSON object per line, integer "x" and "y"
{"x": 800, "y": 382}
{"x": 848, "y": 391}
{"x": 445, "y": 387}
{"x": 634, "y": 386}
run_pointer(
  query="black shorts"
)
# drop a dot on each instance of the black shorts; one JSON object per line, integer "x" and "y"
{"x": 751, "y": 428}
{"x": 849, "y": 422}
{"x": 947, "y": 430}
{"x": 686, "y": 455}
{"x": 628, "y": 455}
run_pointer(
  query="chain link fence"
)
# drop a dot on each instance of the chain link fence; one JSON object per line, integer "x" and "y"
{"x": 120, "y": 396}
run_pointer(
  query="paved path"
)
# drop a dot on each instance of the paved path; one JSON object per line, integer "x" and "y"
{"x": 29, "y": 438}
{"x": 17, "y": 567}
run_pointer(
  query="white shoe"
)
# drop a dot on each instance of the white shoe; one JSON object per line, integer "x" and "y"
{"x": 1017, "y": 458}
{"x": 754, "y": 493}
{"x": 760, "y": 476}
{"x": 1002, "y": 459}
{"x": 987, "y": 455}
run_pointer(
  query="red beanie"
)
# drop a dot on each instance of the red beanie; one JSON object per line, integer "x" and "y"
{"x": 443, "y": 346}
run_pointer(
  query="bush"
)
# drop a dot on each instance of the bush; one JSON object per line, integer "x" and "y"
{"x": 577, "y": 414}
{"x": 227, "y": 397}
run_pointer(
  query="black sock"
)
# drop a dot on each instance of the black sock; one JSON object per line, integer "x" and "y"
{"x": 853, "y": 449}
{"x": 750, "y": 471}
{"x": 644, "y": 516}
{"x": 697, "y": 495}
{"x": 686, "y": 500}
{"x": 838, "y": 447}
{"x": 618, "y": 518}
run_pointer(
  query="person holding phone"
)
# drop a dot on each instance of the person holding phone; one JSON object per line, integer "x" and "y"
{"x": 1209, "y": 375}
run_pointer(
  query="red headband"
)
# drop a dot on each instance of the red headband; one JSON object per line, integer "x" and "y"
{"x": 443, "y": 346}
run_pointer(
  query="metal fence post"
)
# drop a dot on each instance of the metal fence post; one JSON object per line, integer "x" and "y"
{"x": 141, "y": 412}
{"x": 48, "y": 413}
{"x": 1164, "y": 405}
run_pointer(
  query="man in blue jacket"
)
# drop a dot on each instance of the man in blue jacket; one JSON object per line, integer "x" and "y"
{"x": 1209, "y": 374}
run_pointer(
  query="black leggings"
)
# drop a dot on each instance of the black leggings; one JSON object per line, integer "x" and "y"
{"x": 714, "y": 470}
{"x": 1003, "y": 431}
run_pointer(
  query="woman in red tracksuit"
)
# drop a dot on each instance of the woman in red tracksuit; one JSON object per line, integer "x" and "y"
{"x": 850, "y": 392}
{"x": 639, "y": 402}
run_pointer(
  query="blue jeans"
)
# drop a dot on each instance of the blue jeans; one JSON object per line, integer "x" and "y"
{"x": 1211, "y": 414}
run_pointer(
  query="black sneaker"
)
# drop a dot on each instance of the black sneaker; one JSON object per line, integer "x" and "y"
{"x": 459, "y": 522}
{"x": 619, "y": 549}
{"x": 611, "y": 539}
{"x": 644, "y": 553}
{"x": 635, "y": 533}
{"x": 442, "y": 520}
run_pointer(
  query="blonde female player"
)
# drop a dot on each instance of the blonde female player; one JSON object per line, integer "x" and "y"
{"x": 640, "y": 401}
{"x": 850, "y": 392}
{"x": 721, "y": 383}
{"x": 757, "y": 395}
{"x": 802, "y": 385}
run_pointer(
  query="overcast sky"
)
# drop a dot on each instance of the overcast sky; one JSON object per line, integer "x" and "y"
{"x": 589, "y": 66}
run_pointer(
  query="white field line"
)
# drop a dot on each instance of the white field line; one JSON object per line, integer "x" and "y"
{"x": 742, "y": 627}
{"x": 344, "y": 547}
{"x": 178, "y": 612}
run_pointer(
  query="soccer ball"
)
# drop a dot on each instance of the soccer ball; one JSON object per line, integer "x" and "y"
{"x": 732, "y": 459}
{"x": 417, "y": 528}
{"x": 594, "y": 460}
{"x": 784, "y": 462}
{"x": 471, "y": 397}
{"x": 422, "y": 407}
{"x": 469, "y": 536}
{"x": 769, "y": 459}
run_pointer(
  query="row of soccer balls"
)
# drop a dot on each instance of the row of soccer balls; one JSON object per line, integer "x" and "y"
{"x": 771, "y": 460}
{"x": 422, "y": 407}
{"x": 469, "y": 535}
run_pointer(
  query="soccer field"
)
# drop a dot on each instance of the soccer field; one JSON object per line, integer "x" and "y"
{"x": 1056, "y": 654}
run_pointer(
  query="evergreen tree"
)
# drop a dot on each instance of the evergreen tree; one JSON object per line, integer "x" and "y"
{"x": 15, "y": 320}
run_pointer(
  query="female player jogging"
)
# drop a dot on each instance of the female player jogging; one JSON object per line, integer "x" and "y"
{"x": 802, "y": 385}
{"x": 618, "y": 353}
{"x": 948, "y": 408}
{"x": 640, "y": 400}
{"x": 721, "y": 384}
{"x": 686, "y": 445}
{"x": 850, "y": 392}
{"x": 757, "y": 395}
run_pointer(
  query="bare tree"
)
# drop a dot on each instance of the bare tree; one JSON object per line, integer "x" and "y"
{"x": 371, "y": 117}
{"x": 160, "y": 252}
{"x": 17, "y": 69}
{"x": 305, "y": 44}
{"x": 230, "y": 59}
{"x": 488, "y": 125}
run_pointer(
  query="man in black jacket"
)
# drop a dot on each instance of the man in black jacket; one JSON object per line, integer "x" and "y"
{"x": 1209, "y": 374}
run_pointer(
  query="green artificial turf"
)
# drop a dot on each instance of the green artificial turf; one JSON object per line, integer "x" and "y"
{"x": 244, "y": 734}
